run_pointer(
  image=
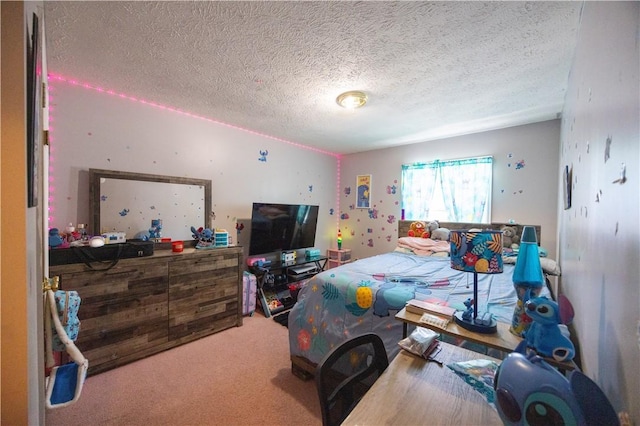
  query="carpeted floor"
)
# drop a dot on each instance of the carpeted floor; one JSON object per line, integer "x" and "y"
{"x": 240, "y": 376}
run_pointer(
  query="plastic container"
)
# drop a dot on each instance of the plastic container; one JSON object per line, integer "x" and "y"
{"x": 177, "y": 246}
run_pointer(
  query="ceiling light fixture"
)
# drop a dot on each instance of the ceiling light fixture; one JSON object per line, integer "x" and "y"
{"x": 352, "y": 99}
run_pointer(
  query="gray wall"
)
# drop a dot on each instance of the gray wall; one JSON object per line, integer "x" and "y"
{"x": 599, "y": 234}
{"x": 527, "y": 195}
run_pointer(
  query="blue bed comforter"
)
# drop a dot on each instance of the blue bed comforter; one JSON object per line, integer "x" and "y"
{"x": 363, "y": 296}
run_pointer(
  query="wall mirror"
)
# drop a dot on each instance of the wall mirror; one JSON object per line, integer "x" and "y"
{"x": 128, "y": 202}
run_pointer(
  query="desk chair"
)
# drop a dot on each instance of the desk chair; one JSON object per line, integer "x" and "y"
{"x": 346, "y": 373}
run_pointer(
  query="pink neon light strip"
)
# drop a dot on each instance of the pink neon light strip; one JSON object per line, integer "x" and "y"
{"x": 188, "y": 114}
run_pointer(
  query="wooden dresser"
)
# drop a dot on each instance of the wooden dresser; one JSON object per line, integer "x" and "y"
{"x": 143, "y": 306}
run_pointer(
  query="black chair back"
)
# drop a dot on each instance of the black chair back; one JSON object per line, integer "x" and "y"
{"x": 346, "y": 373}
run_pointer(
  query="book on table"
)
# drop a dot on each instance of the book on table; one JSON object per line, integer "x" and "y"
{"x": 421, "y": 306}
{"x": 431, "y": 314}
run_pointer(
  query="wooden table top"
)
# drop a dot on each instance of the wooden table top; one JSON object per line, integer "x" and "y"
{"x": 414, "y": 391}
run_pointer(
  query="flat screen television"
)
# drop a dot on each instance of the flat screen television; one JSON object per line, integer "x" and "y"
{"x": 276, "y": 227}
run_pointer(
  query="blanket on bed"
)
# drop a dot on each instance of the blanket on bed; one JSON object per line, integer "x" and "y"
{"x": 424, "y": 246}
{"x": 364, "y": 296}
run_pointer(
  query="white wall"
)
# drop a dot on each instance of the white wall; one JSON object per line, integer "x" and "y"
{"x": 92, "y": 129}
{"x": 528, "y": 195}
{"x": 599, "y": 234}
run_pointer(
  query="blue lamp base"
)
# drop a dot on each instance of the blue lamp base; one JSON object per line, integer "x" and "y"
{"x": 480, "y": 324}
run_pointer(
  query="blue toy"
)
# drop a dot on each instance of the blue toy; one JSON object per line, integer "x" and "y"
{"x": 205, "y": 237}
{"x": 55, "y": 239}
{"x": 531, "y": 392}
{"x": 155, "y": 232}
{"x": 545, "y": 336}
{"x": 468, "y": 313}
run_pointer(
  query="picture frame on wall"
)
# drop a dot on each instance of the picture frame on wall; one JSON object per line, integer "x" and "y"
{"x": 363, "y": 191}
{"x": 34, "y": 95}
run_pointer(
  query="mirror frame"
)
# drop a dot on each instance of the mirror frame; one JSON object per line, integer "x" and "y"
{"x": 95, "y": 175}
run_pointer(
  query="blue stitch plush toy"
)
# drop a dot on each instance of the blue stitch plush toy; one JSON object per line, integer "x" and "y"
{"x": 205, "y": 237}
{"x": 545, "y": 335}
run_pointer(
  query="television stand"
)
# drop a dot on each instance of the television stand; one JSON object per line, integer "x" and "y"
{"x": 279, "y": 282}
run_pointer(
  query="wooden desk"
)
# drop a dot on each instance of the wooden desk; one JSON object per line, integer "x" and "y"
{"x": 413, "y": 391}
{"x": 503, "y": 340}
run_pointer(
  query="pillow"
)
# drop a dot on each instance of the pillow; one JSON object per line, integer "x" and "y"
{"x": 549, "y": 266}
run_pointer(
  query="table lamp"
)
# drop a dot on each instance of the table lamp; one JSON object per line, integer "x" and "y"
{"x": 479, "y": 252}
{"x": 527, "y": 279}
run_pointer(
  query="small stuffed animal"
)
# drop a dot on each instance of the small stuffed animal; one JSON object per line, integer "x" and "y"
{"x": 417, "y": 229}
{"x": 433, "y": 225}
{"x": 509, "y": 237}
{"x": 55, "y": 239}
{"x": 441, "y": 234}
{"x": 545, "y": 335}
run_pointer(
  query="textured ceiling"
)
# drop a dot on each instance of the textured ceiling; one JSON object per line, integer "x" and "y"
{"x": 430, "y": 69}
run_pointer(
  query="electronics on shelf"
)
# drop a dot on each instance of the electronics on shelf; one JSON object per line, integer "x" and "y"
{"x": 282, "y": 227}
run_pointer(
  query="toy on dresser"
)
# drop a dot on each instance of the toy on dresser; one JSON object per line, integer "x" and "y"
{"x": 548, "y": 335}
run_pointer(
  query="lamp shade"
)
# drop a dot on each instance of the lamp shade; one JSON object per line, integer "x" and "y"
{"x": 528, "y": 271}
{"x": 477, "y": 251}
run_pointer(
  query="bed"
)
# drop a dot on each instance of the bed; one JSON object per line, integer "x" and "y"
{"x": 364, "y": 296}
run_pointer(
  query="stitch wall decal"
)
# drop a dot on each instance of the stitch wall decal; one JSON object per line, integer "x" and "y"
{"x": 391, "y": 218}
{"x": 344, "y": 216}
{"x": 124, "y": 212}
{"x": 623, "y": 175}
{"x": 373, "y": 213}
{"x": 310, "y": 188}
{"x": 388, "y": 238}
{"x": 520, "y": 165}
{"x": 391, "y": 189}
{"x": 352, "y": 206}
{"x": 263, "y": 156}
{"x": 347, "y": 191}
{"x": 331, "y": 211}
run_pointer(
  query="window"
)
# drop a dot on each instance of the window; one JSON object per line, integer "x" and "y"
{"x": 448, "y": 191}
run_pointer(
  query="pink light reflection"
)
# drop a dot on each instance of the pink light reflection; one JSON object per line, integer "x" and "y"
{"x": 167, "y": 108}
